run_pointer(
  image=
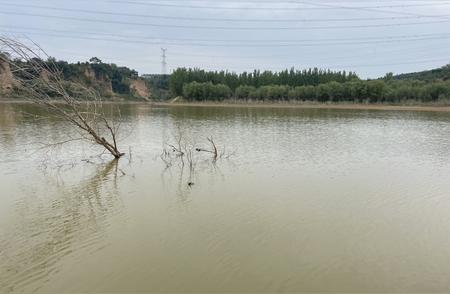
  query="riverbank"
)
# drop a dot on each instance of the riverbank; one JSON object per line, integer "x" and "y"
{"x": 437, "y": 107}
{"x": 310, "y": 105}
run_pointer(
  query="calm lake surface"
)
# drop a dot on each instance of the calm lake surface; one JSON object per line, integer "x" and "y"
{"x": 311, "y": 201}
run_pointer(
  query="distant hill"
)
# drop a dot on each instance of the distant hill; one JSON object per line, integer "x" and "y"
{"x": 442, "y": 74}
{"x": 109, "y": 80}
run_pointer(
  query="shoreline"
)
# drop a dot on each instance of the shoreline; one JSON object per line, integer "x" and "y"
{"x": 287, "y": 105}
{"x": 343, "y": 106}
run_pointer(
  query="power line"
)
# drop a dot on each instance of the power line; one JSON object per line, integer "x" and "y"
{"x": 334, "y": 66}
{"x": 129, "y": 40}
{"x": 220, "y": 27}
{"x": 240, "y": 41}
{"x": 296, "y": 20}
{"x": 382, "y": 50}
{"x": 319, "y": 6}
{"x": 330, "y": 66}
{"x": 274, "y": 1}
{"x": 366, "y": 54}
{"x": 341, "y": 67}
{"x": 370, "y": 9}
{"x": 398, "y": 63}
{"x": 270, "y": 8}
{"x": 143, "y": 60}
{"x": 295, "y": 1}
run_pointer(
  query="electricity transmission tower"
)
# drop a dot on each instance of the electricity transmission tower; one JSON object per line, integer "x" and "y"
{"x": 164, "y": 62}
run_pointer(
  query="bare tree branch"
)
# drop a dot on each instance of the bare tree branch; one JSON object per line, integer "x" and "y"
{"x": 42, "y": 83}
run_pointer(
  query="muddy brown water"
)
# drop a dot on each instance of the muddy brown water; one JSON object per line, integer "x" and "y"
{"x": 313, "y": 200}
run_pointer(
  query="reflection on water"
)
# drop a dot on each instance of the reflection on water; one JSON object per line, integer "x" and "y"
{"x": 314, "y": 200}
{"x": 71, "y": 218}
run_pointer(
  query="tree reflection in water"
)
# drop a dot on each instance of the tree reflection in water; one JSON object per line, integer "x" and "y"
{"x": 72, "y": 218}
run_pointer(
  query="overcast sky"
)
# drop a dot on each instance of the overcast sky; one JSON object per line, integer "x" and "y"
{"x": 368, "y": 37}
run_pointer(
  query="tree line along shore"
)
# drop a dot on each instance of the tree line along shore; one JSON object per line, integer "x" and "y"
{"x": 311, "y": 85}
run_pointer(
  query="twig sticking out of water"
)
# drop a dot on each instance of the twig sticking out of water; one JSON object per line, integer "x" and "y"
{"x": 183, "y": 152}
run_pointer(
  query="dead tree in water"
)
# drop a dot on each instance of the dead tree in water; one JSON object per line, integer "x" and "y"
{"x": 213, "y": 150}
{"x": 43, "y": 83}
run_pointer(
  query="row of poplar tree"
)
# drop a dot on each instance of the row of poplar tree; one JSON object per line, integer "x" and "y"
{"x": 307, "y": 85}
